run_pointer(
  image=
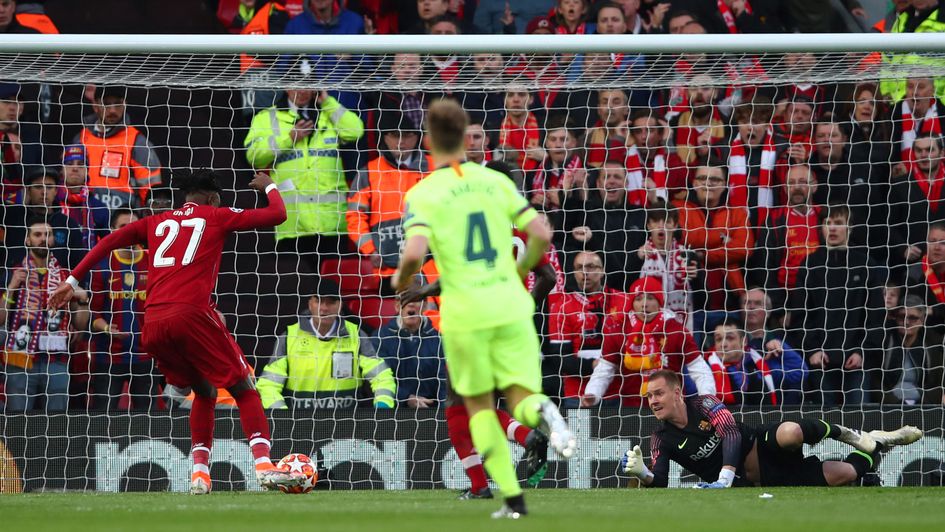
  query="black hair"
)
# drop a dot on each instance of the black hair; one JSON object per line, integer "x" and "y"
{"x": 119, "y": 212}
{"x": 737, "y": 323}
{"x": 202, "y": 180}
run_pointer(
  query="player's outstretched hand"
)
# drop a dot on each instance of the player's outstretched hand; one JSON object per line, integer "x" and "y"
{"x": 61, "y": 296}
{"x": 710, "y": 486}
{"x": 261, "y": 181}
{"x": 632, "y": 462}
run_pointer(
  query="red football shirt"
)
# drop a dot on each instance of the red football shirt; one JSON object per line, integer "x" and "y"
{"x": 185, "y": 246}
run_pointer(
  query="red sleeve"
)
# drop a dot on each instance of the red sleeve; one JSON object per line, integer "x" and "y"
{"x": 680, "y": 347}
{"x": 560, "y": 326}
{"x": 614, "y": 337}
{"x": 129, "y": 235}
{"x": 234, "y": 219}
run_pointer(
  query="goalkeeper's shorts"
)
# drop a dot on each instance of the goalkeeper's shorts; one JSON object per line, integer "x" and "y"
{"x": 484, "y": 360}
{"x": 783, "y": 467}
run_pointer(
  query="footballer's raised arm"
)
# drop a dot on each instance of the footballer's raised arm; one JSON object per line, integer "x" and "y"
{"x": 269, "y": 216}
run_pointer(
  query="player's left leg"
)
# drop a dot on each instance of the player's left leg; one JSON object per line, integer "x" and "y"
{"x": 518, "y": 374}
{"x": 256, "y": 428}
{"x": 792, "y": 435}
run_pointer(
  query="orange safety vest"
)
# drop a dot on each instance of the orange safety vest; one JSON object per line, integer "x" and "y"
{"x": 383, "y": 202}
{"x": 110, "y": 161}
{"x": 258, "y": 25}
{"x": 37, "y": 21}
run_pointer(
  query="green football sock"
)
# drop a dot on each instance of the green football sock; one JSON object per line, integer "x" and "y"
{"x": 528, "y": 411}
{"x": 491, "y": 442}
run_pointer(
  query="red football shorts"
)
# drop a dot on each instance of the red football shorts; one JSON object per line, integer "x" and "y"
{"x": 191, "y": 346}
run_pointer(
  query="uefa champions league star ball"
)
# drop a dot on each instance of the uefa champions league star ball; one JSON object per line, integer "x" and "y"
{"x": 302, "y": 464}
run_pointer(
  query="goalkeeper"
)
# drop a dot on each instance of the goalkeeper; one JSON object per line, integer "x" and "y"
{"x": 701, "y": 435}
{"x": 465, "y": 213}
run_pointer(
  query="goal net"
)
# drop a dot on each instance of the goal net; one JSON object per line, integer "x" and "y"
{"x": 785, "y": 208}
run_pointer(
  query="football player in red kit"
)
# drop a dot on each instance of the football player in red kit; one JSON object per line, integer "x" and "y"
{"x": 182, "y": 330}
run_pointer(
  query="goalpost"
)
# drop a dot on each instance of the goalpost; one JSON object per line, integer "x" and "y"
{"x": 194, "y": 97}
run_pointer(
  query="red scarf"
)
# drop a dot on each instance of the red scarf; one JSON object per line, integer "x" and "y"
{"x": 728, "y": 16}
{"x": 670, "y": 269}
{"x": 738, "y": 175}
{"x": 31, "y": 327}
{"x": 562, "y": 29}
{"x": 730, "y": 377}
{"x": 931, "y": 186}
{"x": 935, "y": 285}
{"x": 929, "y": 124}
{"x": 550, "y": 177}
{"x": 519, "y": 137}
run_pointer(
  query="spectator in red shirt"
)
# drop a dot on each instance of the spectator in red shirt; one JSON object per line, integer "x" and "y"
{"x": 606, "y": 140}
{"x": 570, "y": 17}
{"x": 575, "y": 327}
{"x": 753, "y": 154}
{"x": 662, "y": 169}
{"x": 519, "y": 135}
{"x": 701, "y": 126}
{"x": 797, "y": 128}
{"x": 790, "y": 235}
{"x": 641, "y": 340}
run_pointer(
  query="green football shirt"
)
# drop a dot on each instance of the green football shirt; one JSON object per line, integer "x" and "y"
{"x": 467, "y": 213}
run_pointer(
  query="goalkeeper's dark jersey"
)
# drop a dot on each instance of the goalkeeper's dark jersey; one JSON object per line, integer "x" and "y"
{"x": 711, "y": 439}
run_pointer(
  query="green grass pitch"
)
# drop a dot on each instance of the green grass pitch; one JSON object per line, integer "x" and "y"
{"x": 733, "y": 510}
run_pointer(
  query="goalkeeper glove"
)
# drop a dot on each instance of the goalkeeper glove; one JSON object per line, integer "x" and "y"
{"x": 632, "y": 463}
{"x": 726, "y": 477}
{"x": 710, "y": 485}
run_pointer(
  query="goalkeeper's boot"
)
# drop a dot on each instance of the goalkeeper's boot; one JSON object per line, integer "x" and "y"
{"x": 902, "y": 436}
{"x": 272, "y": 477}
{"x": 200, "y": 483}
{"x": 514, "y": 508}
{"x": 560, "y": 437}
{"x": 536, "y": 457}
{"x": 860, "y": 441}
{"x": 468, "y": 495}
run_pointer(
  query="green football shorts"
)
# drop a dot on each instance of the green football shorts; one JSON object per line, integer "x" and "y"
{"x": 484, "y": 360}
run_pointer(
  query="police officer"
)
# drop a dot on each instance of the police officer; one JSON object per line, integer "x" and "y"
{"x": 322, "y": 360}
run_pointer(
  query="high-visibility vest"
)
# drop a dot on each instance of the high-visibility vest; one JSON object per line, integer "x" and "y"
{"x": 308, "y": 172}
{"x": 111, "y": 163}
{"x": 258, "y": 25}
{"x": 895, "y": 88}
{"x": 379, "y": 193}
{"x": 37, "y": 21}
{"x": 317, "y": 373}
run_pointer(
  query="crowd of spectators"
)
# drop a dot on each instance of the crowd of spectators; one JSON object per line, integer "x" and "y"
{"x": 790, "y": 237}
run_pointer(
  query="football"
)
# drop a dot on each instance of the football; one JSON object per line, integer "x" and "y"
{"x": 302, "y": 464}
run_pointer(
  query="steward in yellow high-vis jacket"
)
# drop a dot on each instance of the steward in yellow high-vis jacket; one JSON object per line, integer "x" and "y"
{"x": 322, "y": 361}
{"x": 299, "y": 139}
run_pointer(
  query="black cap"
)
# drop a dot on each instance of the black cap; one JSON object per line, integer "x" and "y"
{"x": 397, "y": 121}
{"x": 9, "y": 91}
{"x": 105, "y": 91}
{"x": 327, "y": 288}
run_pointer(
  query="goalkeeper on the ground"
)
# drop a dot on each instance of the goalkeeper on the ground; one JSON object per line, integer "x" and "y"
{"x": 701, "y": 435}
